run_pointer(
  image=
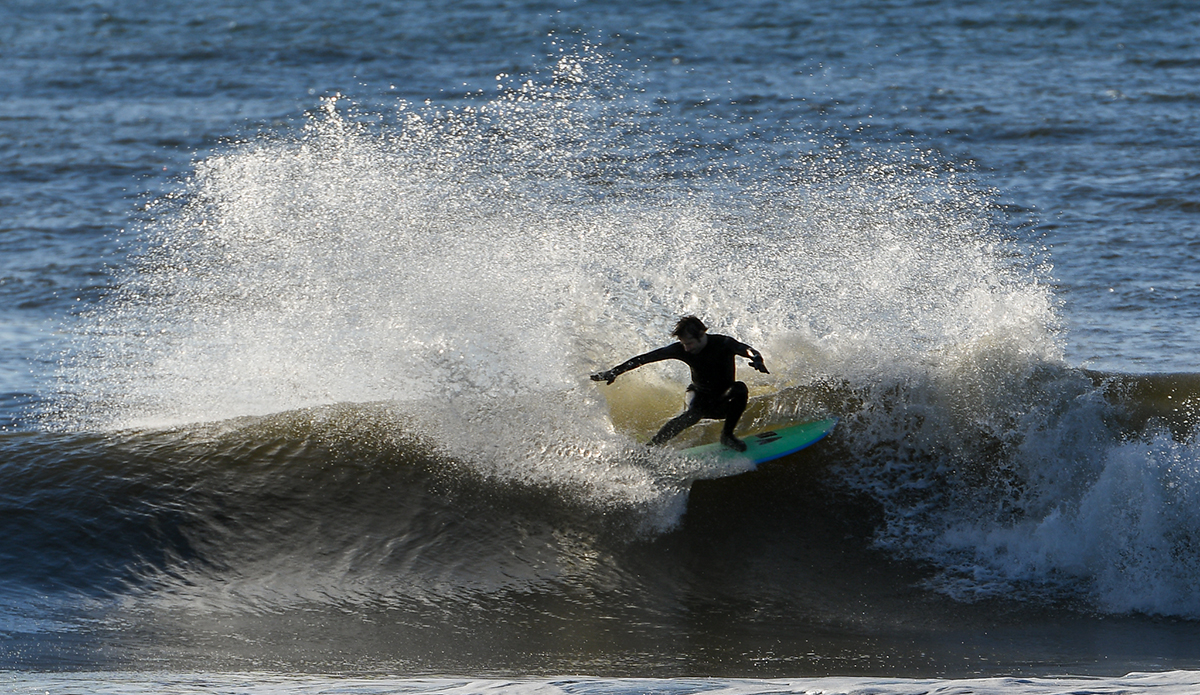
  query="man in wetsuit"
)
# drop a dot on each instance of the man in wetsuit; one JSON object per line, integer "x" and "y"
{"x": 713, "y": 393}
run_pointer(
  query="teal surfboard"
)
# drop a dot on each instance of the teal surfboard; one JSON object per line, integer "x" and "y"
{"x": 769, "y": 445}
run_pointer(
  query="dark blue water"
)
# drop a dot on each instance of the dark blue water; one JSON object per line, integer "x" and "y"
{"x": 298, "y": 300}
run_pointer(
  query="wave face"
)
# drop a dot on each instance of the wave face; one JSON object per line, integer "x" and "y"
{"x": 346, "y": 371}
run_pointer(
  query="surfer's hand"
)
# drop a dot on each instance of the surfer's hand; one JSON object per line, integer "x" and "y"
{"x": 757, "y": 363}
{"x": 605, "y": 376}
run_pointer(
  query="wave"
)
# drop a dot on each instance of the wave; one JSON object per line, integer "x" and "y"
{"x": 337, "y": 353}
{"x": 1081, "y": 493}
{"x": 1060, "y": 486}
{"x": 343, "y": 494}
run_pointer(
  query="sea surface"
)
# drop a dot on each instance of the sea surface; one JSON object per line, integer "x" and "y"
{"x": 299, "y": 300}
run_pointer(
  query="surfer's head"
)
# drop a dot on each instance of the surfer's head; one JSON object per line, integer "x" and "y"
{"x": 692, "y": 333}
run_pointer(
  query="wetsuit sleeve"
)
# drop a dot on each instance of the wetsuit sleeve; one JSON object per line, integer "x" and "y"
{"x": 737, "y": 347}
{"x": 756, "y": 358}
{"x": 663, "y": 353}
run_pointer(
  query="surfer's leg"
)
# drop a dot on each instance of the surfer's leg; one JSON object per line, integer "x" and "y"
{"x": 674, "y": 426}
{"x": 680, "y": 422}
{"x": 734, "y": 400}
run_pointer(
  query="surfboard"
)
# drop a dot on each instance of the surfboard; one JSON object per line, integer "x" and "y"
{"x": 770, "y": 444}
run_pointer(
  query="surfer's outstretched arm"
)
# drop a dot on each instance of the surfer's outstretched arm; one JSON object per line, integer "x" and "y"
{"x": 663, "y": 353}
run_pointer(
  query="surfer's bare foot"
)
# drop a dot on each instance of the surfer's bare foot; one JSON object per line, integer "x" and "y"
{"x": 733, "y": 442}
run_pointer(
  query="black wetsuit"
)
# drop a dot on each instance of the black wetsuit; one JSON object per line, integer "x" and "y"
{"x": 714, "y": 392}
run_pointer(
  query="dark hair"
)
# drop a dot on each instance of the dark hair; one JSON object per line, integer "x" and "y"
{"x": 689, "y": 325}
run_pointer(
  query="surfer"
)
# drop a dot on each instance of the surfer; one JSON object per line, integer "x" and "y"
{"x": 714, "y": 392}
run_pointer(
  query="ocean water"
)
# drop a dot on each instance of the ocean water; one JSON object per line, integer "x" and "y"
{"x": 299, "y": 302}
